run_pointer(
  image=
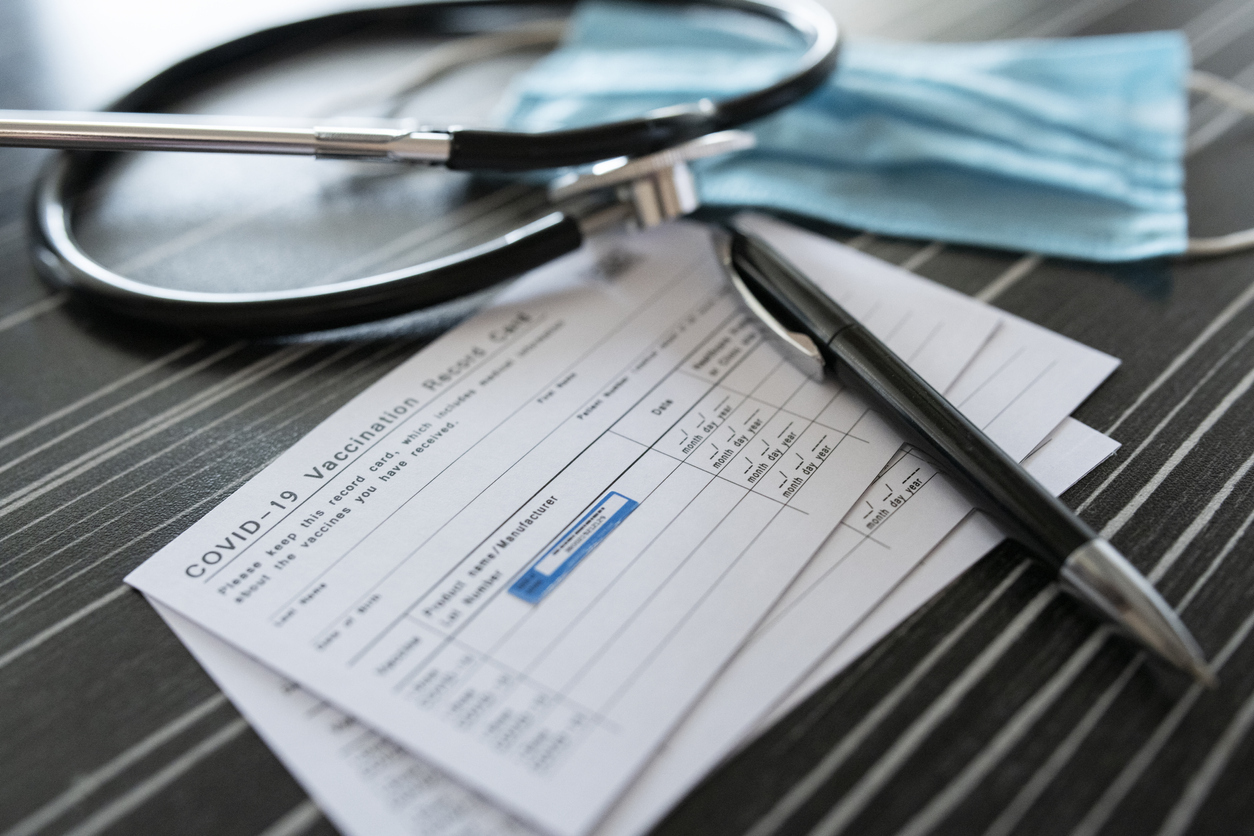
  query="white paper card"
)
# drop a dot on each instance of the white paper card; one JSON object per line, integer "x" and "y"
{"x": 527, "y": 551}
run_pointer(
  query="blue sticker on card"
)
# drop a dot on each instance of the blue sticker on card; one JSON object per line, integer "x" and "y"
{"x": 574, "y": 545}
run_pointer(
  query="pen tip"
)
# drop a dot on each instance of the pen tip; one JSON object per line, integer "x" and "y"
{"x": 1099, "y": 574}
{"x": 1203, "y": 673}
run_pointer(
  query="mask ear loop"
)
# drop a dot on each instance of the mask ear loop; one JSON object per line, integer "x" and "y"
{"x": 1235, "y": 96}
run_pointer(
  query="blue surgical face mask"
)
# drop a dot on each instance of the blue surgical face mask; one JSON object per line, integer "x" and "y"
{"x": 1065, "y": 147}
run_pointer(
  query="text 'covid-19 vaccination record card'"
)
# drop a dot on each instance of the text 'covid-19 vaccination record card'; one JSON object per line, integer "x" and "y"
{"x": 527, "y": 551}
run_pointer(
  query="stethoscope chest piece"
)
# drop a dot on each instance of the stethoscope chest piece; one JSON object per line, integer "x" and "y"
{"x": 658, "y": 187}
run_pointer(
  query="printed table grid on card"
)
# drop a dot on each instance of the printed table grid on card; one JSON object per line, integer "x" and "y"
{"x": 476, "y": 691}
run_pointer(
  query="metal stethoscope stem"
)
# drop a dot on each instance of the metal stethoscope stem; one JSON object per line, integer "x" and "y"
{"x": 133, "y": 132}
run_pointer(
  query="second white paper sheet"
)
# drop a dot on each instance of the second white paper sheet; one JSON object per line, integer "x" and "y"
{"x": 1030, "y": 373}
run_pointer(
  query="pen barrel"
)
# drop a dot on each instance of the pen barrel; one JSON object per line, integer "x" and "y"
{"x": 1088, "y": 566}
{"x": 993, "y": 480}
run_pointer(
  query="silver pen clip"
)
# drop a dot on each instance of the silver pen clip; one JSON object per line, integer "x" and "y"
{"x": 796, "y": 347}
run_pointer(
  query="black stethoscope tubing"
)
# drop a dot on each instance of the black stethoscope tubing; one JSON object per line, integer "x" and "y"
{"x": 58, "y": 257}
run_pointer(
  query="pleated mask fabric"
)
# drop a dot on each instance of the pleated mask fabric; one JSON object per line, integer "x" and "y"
{"x": 1068, "y": 147}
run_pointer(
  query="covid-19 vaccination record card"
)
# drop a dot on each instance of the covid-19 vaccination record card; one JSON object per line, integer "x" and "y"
{"x": 527, "y": 551}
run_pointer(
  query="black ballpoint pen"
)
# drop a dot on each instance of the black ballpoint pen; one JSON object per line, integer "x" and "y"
{"x": 818, "y": 328}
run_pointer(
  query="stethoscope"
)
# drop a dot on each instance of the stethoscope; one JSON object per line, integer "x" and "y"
{"x": 639, "y": 171}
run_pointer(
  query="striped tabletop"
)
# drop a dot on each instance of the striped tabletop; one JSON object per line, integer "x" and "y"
{"x": 1000, "y": 708}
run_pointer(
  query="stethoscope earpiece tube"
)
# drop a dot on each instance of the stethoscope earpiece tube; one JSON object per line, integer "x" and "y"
{"x": 472, "y": 150}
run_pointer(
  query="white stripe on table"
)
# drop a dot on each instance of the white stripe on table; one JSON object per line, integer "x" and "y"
{"x": 1126, "y": 513}
{"x": 69, "y": 621}
{"x": 853, "y": 802}
{"x": 26, "y": 314}
{"x": 296, "y": 821}
{"x": 1204, "y": 779}
{"x": 107, "y": 389}
{"x": 128, "y": 802}
{"x": 1105, "y": 805}
{"x": 1166, "y": 419}
{"x": 287, "y": 383}
{"x": 82, "y": 786}
{"x": 810, "y": 783}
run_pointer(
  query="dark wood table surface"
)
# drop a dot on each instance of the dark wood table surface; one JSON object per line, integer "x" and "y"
{"x": 999, "y": 708}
